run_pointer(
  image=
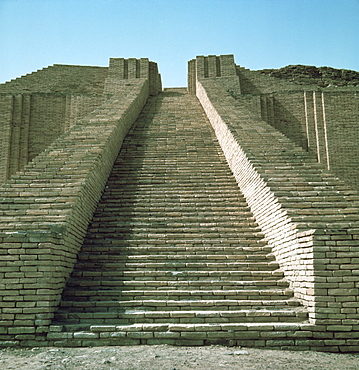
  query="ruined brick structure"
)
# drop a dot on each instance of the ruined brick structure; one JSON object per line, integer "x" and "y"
{"x": 222, "y": 213}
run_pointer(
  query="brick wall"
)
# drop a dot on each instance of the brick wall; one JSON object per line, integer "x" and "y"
{"x": 78, "y": 106}
{"x": 322, "y": 121}
{"x": 308, "y": 215}
{"x": 218, "y": 67}
{"x": 341, "y": 134}
{"x": 288, "y": 115}
{"x": 122, "y": 70}
{"x": 256, "y": 82}
{"x": 47, "y": 121}
{"x": 36, "y": 120}
{"x": 60, "y": 79}
{"x": 53, "y": 114}
{"x": 44, "y": 104}
{"x": 46, "y": 208}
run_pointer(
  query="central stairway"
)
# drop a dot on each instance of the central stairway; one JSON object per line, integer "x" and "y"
{"x": 173, "y": 254}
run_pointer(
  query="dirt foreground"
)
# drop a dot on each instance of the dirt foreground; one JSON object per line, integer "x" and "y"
{"x": 164, "y": 357}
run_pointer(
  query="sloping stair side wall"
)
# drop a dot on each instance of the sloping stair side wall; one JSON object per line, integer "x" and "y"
{"x": 45, "y": 211}
{"x": 30, "y": 122}
{"x": 37, "y": 108}
{"x": 308, "y": 216}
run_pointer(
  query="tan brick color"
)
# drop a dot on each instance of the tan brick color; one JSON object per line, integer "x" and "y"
{"x": 166, "y": 244}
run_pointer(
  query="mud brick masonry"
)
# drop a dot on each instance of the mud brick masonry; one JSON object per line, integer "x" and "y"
{"x": 224, "y": 213}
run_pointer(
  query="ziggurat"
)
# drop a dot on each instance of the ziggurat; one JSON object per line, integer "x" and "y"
{"x": 221, "y": 213}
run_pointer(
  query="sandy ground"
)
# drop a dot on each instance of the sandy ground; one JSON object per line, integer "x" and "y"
{"x": 163, "y": 357}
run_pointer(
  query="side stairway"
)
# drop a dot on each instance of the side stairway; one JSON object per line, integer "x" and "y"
{"x": 173, "y": 254}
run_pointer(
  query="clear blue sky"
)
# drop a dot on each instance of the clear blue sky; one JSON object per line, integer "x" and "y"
{"x": 260, "y": 33}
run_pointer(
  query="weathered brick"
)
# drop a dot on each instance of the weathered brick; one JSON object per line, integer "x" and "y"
{"x": 308, "y": 216}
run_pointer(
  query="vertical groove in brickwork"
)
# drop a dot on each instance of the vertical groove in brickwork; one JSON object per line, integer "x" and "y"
{"x": 205, "y": 67}
{"x": 122, "y": 68}
{"x": 264, "y": 108}
{"x": 218, "y": 67}
{"x": 326, "y": 143}
{"x": 320, "y": 129}
{"x": 24, "y": 131}
{"x": 306, "y": 119}
{"x": 138, "y": 68}
{"x": 6, "y": 104}
{"x": 125, "y": 69}
{"x": 310, "y": 123}
{"x": 68, "y": 112}
{"x": 270, "y": 109}
{"x": 316, "y": 127}
{"x": 267, "y": 115}
{"x": 15, "y": 134}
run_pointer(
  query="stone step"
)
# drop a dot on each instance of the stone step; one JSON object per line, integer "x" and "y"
{"x": 199, "y": 183}
{"x": 174, "y": 232}
{"x": 192, "y": 210}
{"x": 114, "y": 244}
{"x": 188, "y": 215}
{"x": 96, "y": 305}
{"x": 118, "y": 198}
{"x": 190, "y": 218}
{"x": 103, "y": 293}
{"x": 177, "y": 250}
{"x": 186, "y": 180}
{"x": 173, "y": 173}
{"x": 110, "y": 236}
{"x": 149, "y": 258}
{"x": 173, "y": 216}
{"x": 270, "y": 335}
{"x": 293, "y": 314}
{"x": 148, "y": 191}
{"x": 170, "y": 275}
{"x": 174, "y": 285}
{"x": 178, "y": 266}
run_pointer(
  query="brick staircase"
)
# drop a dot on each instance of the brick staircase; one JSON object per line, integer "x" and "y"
{"x": 173, "y": 254}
